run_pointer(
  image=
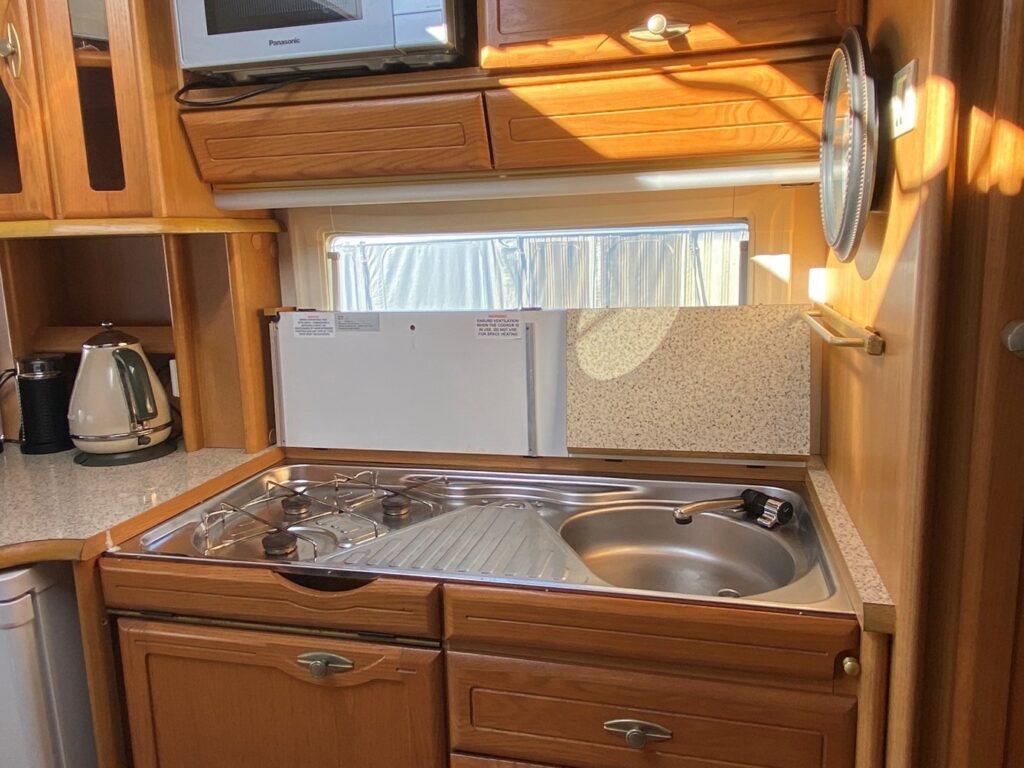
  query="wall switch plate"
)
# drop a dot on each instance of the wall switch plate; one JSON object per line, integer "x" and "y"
{"x": 174, "y": 378}
{"x": 903, "y": 105}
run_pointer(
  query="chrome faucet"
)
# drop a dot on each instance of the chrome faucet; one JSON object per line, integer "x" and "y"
{"x": 767, "y": 511}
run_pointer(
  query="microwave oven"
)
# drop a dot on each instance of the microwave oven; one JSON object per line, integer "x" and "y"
{"x": 249, "y": 38}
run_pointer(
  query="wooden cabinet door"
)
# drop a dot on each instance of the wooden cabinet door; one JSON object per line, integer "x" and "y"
{"x": 339, "y": 140}
{"x": 25, "y": 191}
{"x": 578, "y": 716}
{"x": 207, "y": 697}
{"x": 713, "y": 112}
{"x": 540, "y": 33}
{"x": 97, "y": 142}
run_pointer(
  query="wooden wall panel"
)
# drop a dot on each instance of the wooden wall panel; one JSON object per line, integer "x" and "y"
{"x": 255, "y": 284}
{"x": 216, "y": 348}
{"x": 876, "y": 410}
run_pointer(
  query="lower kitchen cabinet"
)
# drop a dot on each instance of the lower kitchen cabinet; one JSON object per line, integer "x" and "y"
{"x": 591, "y": 717}
{"x": 210, "y": 697}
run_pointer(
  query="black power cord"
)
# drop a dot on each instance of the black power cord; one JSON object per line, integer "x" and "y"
{"x": 6, "y": 376}
{"x": 180, "y": 95}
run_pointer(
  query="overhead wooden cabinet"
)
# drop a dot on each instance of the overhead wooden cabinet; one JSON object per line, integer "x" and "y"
{"x": 88, "y": 123}
{"x": 24, "y": 172}
{"x": 540, "y": 33}
{"x": 206, "y": 697}
{"x": 382, "y": 137}
{"x": 717, "y": 111}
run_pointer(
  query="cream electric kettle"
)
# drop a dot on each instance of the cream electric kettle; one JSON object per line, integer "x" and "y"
{"x": 118, "y": 404}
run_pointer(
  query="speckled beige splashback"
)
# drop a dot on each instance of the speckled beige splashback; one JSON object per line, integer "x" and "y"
{"x": 721, "y": 380}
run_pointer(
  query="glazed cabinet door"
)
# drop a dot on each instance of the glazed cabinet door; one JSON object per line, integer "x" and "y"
{"x": 88, "y": 53}
{"x": 208, "y": 697}
{"x": 24, "y": 173}
{"x": 540, "y": 33}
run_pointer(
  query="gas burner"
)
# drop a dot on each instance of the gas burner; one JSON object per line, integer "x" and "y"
{"x": 280, "y": 544}
{"x": 295, "y": 506}
{"x": 396, "y": 506}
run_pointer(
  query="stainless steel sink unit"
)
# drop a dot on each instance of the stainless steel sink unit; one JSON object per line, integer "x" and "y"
{"x": 584, "y": 533}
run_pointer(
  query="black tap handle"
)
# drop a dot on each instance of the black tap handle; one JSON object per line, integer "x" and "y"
{"x": 754, "y": 502}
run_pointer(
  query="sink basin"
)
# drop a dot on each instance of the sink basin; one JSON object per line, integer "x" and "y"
{"x": 641, "y": 547}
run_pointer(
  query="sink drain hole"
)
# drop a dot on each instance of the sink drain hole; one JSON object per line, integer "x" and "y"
{"x": 729, "y": 593}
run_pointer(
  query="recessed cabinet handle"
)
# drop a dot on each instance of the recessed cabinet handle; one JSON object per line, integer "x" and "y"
{"x": 10, "y": 50}
{"x": 659, "y": 28}
{"x": 321, "y": 664}
{"x": 638, "y": 732}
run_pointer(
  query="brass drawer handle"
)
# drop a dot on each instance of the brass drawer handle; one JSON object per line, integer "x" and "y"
{"x": 321, "y": 664}
{"x": 10, "y": 50}
{"x": 658, "y": 28}
{"x": 638, "y": 732}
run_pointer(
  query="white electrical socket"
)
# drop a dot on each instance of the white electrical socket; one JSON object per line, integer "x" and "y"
{"x": 903, "y": 105}
{"x": 174, "y": 378}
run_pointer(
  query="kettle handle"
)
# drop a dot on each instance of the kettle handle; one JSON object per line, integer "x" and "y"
{"x": 138, "y": 390}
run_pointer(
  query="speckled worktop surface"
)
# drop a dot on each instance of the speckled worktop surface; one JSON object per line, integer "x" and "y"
{"x": 50, "y": 497}
{"x": 872, "y": 601}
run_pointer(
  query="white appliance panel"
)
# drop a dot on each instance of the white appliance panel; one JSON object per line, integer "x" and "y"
{"x": 425, "y": 381}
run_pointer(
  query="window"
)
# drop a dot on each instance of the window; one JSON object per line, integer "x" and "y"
{"x": 691, "y": 266}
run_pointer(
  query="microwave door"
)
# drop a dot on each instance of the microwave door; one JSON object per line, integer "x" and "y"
{"x": 216, "y": 34}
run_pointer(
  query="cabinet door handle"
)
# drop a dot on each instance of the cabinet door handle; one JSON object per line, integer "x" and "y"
{"x": 638, "y": 732}
{"x": 321, "y": 664}
{"x": 10, "y": 50}
{"x": 1013, "y": 337}
{"x": 658, "y": 28}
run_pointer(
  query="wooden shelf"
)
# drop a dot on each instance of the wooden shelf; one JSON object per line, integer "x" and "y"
{"x": 156, "y": 339}
{"x": 13, "y": 230}
{"x": 92, "y": 58}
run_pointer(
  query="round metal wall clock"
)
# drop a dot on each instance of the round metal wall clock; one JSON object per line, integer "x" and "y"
{"x": 849, "y": 145}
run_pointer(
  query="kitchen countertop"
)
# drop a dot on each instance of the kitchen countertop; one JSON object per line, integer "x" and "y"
{"x": 58, "y": 505}
{"x": 872, "y": 601}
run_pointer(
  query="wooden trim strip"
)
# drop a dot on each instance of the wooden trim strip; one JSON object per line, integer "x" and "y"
{"x": 872, "y": 700}
{"x": 28, "y": 552}
{"x": 100, "y": 666}
{"x": 11, "y": 230}
{"x": 676, "y": 469}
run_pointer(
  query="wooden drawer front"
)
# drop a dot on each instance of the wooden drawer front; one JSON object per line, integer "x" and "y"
{"x": 643, "y": 632}
{"x": 555, "y": 713}
{"x": 387, "y": 137}
{"x": 539, "y": 33}
{"x": 728, "y": 111}
{"x": 473, "y": 761}
{"x": 390, "y": 606}
{"x": 207, "y": 697}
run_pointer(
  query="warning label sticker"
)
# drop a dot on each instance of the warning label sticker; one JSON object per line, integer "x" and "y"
{"x": 499, "y": 326}
{"x": 314, "y": 325}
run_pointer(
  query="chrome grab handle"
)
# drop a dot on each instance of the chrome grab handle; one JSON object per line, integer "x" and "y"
{"x": 638, "y": 732}
{"x": 866, "y": 339}
{"x": 10, "y": 50}
{"x": 658, "y": 28}
{"x": 321, "y": 664}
